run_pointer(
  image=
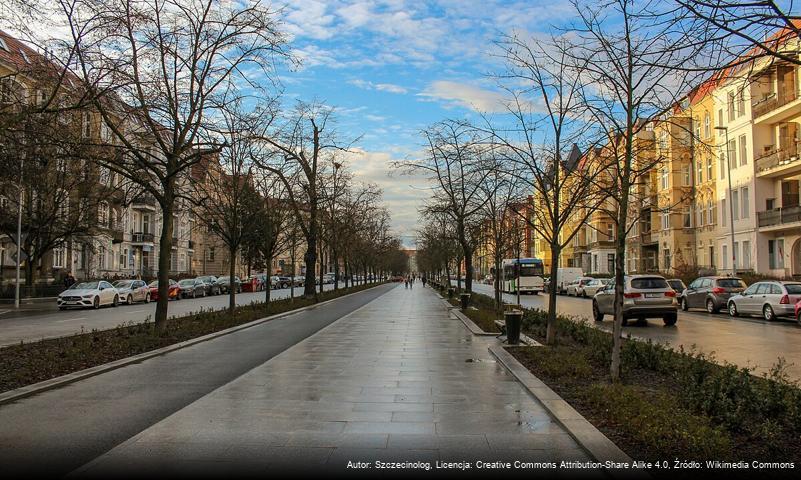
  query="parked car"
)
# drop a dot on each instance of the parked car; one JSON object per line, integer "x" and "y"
{"x": 131, "y": 291}
{"x": 645, "y": 296}
{"x": 280, "y": 282}
{"x": 210, "y": 282}
{"x": 677, "y": 285}
{"x": 173, "y": 291}
{"x": 771, "y": 299}
{"x": 225, "y": 284}
{"x": 711, "y": 293}
{"x": 192, "y": 287}
{"x": 298, "y": 280}
{"x": 589, "y": 289}
{"x": 573, "y": 287}
{"x": 251, "y": 284}
{"x": 798, "y": 312}
{"x": 88, "y": 294}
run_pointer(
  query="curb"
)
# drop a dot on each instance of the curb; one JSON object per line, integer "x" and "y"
{"x": 586, "y": 435}
{"x": 29, "y": 390}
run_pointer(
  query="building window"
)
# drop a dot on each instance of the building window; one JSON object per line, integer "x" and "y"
{"x": 665, "y": 178}
{"x": 720, "y": 117}
{"x": 59, "y": 256}
{"x": 746, "y": 255}
{"x": 101, "y": 257}
{"x": 665, "y": 220}
{"x": 699, "y": 174}
{"x": 722, "y": 168}
{"x": 732, "y": 153}
{"x": 102, "y": 216}
{"x": 746, "y": 202}
{"x": 730, "y": 106}
{"x": 707, "y": 130}
{"x": 610, "y": 262}
{"x": 211, "y": 254}
{"x": 735, "y": 204}
{"x": 725, "y": 260}
{"x": 776, "y": 254}
{"x": 723, "y": 212}
{"x": 711, "y": 214}
{"x": 123, "y": 258}
{"x": 702, "y": 214}
{"x": 709, "y": 168}
{"x": 86, "y": 126}
{"x": 743, "y": 151}
{"x": 687, "y": 218}
{"x": 685, "y": 176}
{"x": 105, "y": 176}
{"x": 741, "y": 103}
{"x": 666, "y": 258}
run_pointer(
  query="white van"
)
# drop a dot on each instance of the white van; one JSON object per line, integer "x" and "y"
{"x": 564, "y": 276}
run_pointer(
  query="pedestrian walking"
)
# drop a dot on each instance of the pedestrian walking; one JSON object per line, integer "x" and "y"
{"x": 424, "y": 280}
{"x": 406, "y": 283}
{"x": 69, "y": 280}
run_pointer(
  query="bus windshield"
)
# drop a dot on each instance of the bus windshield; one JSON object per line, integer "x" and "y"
{"x": 531, "y": 270}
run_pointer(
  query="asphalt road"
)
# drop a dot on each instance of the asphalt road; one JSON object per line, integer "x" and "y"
{"x": 741, "y": 341}
{"x": 59, "y": 430}
{"x": 44, "y": 320}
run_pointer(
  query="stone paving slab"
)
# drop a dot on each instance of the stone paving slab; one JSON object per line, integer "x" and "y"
{"x": 390, "y": 382}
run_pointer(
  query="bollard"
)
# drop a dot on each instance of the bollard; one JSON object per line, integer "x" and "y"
{"x": 450, "y": 293}
{"x": 465, "y": 299}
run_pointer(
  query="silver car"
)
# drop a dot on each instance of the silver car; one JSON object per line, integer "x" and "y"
{"x": 644, "y": 296}
{"x": 770, "y": 299}
{"x": 590, "y": 288}
{"x": 133, "y": 291}
{"x": 574, "y": 287}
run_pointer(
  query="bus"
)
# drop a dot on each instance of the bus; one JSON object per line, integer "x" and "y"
{"x": 531, "y": 271}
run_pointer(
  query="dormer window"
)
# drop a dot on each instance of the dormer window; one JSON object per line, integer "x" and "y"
{"x": 3, "y": 44}
{"x": 24, "y": 56}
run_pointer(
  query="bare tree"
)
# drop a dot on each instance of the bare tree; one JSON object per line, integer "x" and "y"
{"x": 457, "y": 162}
{"x": 301, "y": 149}
{"x": 549, "y": 121}
{"x": 158, "y": 71}
{"x": 632, "y": 54}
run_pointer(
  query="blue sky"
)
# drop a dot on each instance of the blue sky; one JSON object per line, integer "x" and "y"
{"x": 392, "y": 67}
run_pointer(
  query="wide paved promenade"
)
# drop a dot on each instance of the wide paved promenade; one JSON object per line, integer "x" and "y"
{"x": 394, "y": 380}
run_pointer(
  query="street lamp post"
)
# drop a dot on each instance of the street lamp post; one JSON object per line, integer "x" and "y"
{"x": 731, "y": 201}
{"x": 19, "y": 234}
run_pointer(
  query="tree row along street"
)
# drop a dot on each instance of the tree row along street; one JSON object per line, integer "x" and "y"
{"x": 740, "y": 341}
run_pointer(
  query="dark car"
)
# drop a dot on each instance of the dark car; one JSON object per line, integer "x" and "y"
{"x": 192, "y": 288}
{"x": 210, "y": 281}
{"x": 226, "y": 284}
{"x": 710, "y": 293}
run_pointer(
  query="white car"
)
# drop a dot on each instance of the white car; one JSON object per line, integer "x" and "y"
{"x": 574, "y": 287}
{"x": 89, "y": 294}
{"x": 590, "y": 288}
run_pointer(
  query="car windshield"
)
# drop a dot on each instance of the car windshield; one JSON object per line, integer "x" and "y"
{"x": 731, "y": 283}
{"x": 676, "y": 284}
{"x": 649, "y": 283}
{"x": 793, "y": 288}
{"x": 123, "y": 284}
{"x": 186, "y": 282}
{"x": 84, "y": 286}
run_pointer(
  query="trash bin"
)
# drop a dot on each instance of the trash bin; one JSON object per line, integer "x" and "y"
{"x": 450, "y": 293}
{"x": 465, "y": 299}
{"x": 513, "y": 319}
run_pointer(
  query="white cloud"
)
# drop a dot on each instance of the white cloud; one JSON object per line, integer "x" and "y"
{"x": 383, "y": 87}
{"x": 466, "y": 95}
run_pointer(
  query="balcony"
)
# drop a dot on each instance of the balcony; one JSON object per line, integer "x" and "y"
{"x": 116, "y": 236}
{"x": 604, "y": 244}
{"x": 142, "y": 238}
{"x": 144, "y": 202}
{"x": 778, "y": 162}
{"x": 780, "y": 218}
{"x": 776, "y": 108}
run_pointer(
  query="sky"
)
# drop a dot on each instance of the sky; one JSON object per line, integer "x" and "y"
{"x": 393, "y": 67}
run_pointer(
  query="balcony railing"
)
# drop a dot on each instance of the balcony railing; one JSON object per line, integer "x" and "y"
{"x": 116, "y": 236}
{"x": 146, "y": 200}
{"x": 772, "y": 102}
{"x": 777, "y": 158}
{"x": 140, "y": 237}
{"x": 780, "y": 216}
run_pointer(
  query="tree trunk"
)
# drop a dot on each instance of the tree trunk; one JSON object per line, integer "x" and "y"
{"x": 165, "y": 253}
{"x": 496, "y": 280}
{"x": 459, "y": 274}
{"x": 468, "y": 270}
{"x": 310, "y": 258}
{"x": 322, "y": 266}
{"x": 336, "y": 269}
{"x": 550, "y": 328}
{"x": 231, "y": 285}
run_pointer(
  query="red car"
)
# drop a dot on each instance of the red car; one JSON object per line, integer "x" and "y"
{"x": 798, "y": 312}
{"x": 252, "y": 284}
{"x": 174, "y": 291}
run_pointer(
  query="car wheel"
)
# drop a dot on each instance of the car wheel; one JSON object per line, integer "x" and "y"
{"x": 147, "y": 298}
{"x": 767, "y": 313}
{"x": 798, "y": 318}
{"x": 584, "y": 293}
{"x": 96, "y": 303}
{"x": 624, "y": 322}
{"x": 669, "y": 320}
{"x": 129, "y": 300}
{"x": 710, "y": 306}
{"x": 194, "y": 293}
{"x": 64, "y": 308}
{"x": 733, "y": 309}
{"x": 596, "y": 312}
{"x": 116, "y": 301}
{"x": 684, "y": 306}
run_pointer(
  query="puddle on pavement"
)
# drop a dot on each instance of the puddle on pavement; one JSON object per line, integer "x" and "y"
{"x": 479, "y": 360}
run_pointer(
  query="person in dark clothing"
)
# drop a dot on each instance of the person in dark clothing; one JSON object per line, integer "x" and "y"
{"x": 424, "y": 280}
{"x": 69, "y": 280}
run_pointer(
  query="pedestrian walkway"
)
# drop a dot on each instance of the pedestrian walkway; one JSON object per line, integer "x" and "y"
{"x": 397, "y": 380}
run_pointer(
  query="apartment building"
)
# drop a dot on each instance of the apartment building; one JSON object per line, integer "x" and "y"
{"x": 125, "y": 224}
{"x": 705, "y": 160}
